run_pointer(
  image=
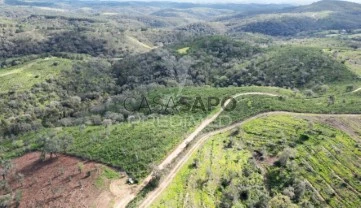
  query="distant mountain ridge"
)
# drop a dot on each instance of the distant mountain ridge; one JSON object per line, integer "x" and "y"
{"x": 322, "y": 15}
{"x": 158, "y": 4}
{"x": 328, "y": 5}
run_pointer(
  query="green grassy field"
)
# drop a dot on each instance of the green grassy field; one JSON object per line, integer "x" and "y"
{"x": 24, "y": 76}
{"x": 248, "y": 166}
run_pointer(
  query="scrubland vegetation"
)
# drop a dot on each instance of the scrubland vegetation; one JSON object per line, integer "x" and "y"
{"x": 124, "y": 83}
{"x": 271, "y": 161}
{"x": 135, "y": 147}
{"x": 90, "y": 97}
{"x": 307, "y": 102}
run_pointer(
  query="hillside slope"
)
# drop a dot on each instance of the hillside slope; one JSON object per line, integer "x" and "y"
{"x": 338, "y": 15}
{"x": 328, "y": 5}
{"x": 221, "y": 62}
{"x": 274, "y": 160}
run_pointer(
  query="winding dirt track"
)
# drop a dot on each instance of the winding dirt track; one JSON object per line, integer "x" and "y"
{"x": 153, "y": 195}
{"x": 359, "y": 89}
{"x": 132, "y": 193}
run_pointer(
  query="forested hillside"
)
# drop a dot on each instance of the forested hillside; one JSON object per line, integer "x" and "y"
{"x": 319, "y": 16}
{"x": 138, "y": 86}
{"x": 223, "y": 62}
{"x": 204, "y": 62}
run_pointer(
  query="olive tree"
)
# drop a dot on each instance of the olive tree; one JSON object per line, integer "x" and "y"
{"x": 6, "y": 167}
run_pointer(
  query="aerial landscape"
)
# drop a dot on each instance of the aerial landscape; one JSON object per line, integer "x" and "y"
{"x": 162, "y": 104}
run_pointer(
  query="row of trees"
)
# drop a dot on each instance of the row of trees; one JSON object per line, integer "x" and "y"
{"x": 53, "y": 143}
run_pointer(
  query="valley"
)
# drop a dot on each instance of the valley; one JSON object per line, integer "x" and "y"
{"x": 174, "y": 104}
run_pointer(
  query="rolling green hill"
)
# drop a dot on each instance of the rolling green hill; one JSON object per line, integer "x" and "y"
{"x": 293, "y": 67}
{"x": 342, "y": 16}
{"x": 328, "y": 5}
{"x": 219, "y": 61}
{"x": 124, "y": 83}
{"x": 275, "y": 161}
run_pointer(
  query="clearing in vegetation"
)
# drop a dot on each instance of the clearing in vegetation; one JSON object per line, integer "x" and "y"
{"x": 61, "y": 181}
{"x": 183, "y": 51}
{"x": 23, "y": 77}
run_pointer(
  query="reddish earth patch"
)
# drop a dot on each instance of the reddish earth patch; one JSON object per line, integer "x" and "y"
{"x": 271, "y": 160}
{"x": 56, "y": 182}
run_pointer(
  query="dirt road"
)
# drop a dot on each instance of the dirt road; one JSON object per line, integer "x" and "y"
{"x": 132, "y": 193}
{"x": 359, "y": 89}
{"x": 152, "y": 196}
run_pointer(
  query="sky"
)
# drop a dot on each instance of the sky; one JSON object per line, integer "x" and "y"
{"x": 298, "y": 2}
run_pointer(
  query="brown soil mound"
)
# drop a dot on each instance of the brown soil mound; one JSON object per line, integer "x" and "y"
{"x": 56, "y": 182}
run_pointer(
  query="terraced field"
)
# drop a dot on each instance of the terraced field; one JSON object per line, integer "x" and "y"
{"x": 292, "y": 158}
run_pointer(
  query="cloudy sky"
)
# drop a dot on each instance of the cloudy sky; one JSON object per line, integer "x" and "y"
{"x": 275, "y": 1}
{"x": 248, "y": 1}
